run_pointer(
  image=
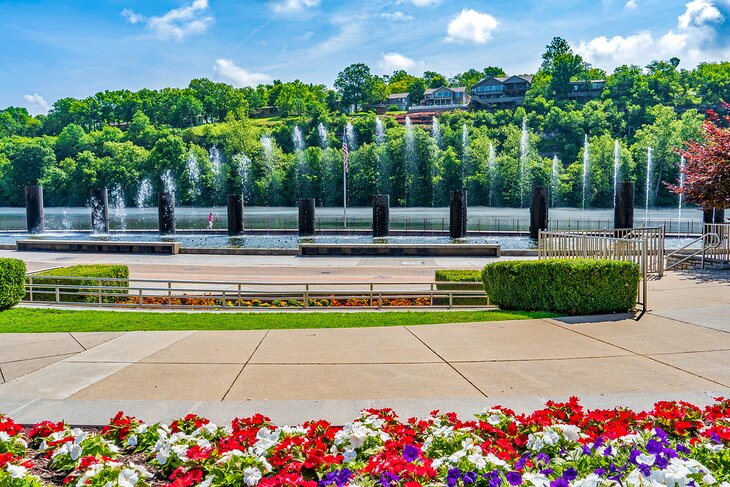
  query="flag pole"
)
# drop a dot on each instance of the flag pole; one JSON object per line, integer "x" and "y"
{"x": 344, "y": 176}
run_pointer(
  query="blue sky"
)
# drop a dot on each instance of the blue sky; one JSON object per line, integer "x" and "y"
{"x": 57, "y": 48}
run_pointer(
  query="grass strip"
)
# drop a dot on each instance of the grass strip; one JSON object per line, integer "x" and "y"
{"x": 32, "y": 320}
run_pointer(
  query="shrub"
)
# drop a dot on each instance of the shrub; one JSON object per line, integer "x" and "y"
{"x": 99, "y": 272}
{"x": 12, "y": 282}
{"x": 393, "y": 108}
{"x": 461, "y": 276}
{"x": 569, "y": 286}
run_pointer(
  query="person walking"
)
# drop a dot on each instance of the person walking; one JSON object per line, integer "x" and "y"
{"x": 210, "y": 221}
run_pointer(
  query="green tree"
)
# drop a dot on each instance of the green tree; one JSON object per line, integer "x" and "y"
{"x": 355, "y": 85}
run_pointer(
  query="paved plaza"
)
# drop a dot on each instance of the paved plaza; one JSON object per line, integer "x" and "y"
{"x": 678, "y": 350}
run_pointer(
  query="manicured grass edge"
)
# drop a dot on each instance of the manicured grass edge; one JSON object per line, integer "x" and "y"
{"x": 33, "y": 320}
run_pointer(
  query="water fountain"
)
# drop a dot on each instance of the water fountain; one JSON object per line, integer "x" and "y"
{"x": 243, "y": 162}
{"x": 268, "y": 166}
{"x": 193, "y": 175}
{"x": 436, "y": 132}
{"x": 168, "y": 182}
{"x": 144, "y": 192}
{"x": 65, "y": 221}
{"x": 217, "y": 166}
{"x": 586, "y": 164}
{"x": 492, "y": 167}
{"x": 464, "y": 153}
{"x": 554, "y": 179}
{"x": 350, "y": 135}
{"x": 99, "y": 203}
{"x": 410, "y": 155}
{"x": 649, "y": 164}
{"x": 300, "y": 161}
{"x": 681, "y": 185}
{"x": 524, "y": 154}
{"x": 616, "y": 165}
{"x": 120, "y": 208}
{"x": 379, "y": 131}
{"x": 323, "y": 136}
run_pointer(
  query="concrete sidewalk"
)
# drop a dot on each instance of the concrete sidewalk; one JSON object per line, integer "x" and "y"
{"x": 679, "y": 350}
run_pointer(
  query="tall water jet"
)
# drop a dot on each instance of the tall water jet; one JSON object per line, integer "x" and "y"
{"x": 300, "y": 161}
{"x": 524, "y": 154}
{"x": 144, "y": 192}
{"x": 379, "y": 131}
{"x": 268, "y": 167}
{"x": 681, "y": 185}
{"x": 616, "y": 166}
{"x": 649, "y": 164}
{"x": 217, "y": 164}
{"x": 586, "y": 164}
{"x": 99, "y": 210}
{"x": 168, "y": 182}
{"x": 464, "y": 153}
{"x": 193, "y": 175}
{"x": 436, "y": 131}
{"x": 410, "y": 156}
{"x": 323, "y": 135}
{"x": 243, "y": 162}
{"x": 554, "y": 180}
{"x": 492, "y": 167}
{"x": 119, "y": 207}
{"x": 350, "y": 135}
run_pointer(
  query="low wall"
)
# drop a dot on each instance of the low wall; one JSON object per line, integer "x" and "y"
{"x": 170, "y": 248}
{"x": 401, "y": 250}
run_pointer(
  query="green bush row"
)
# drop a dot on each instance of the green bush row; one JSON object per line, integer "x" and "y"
{"x": 100, "y": 273}
{"x": 12, "y": 282}
{"x": 566, "y": 286}
{"x": 461, "y": 276}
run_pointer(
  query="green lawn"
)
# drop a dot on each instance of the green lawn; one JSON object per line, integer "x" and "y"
{"x": 23, "y": 320}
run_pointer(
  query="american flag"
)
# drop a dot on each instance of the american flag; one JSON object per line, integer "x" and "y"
{"x": 346, "y": 153}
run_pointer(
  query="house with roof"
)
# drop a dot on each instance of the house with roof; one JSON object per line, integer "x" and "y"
{"x": 401, "y": 100}
{"x": 501, "y": 91}
{"x": 445, "y": 96}
{"x": 585, "y": 90}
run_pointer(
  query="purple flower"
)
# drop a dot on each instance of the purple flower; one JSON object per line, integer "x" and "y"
{"x": 387, "y": 478}
{"x": 683, "y": 449}
{"x": 716, "y": 438}
{"x": 559, "y": 482}
{"x": 654, "y": 447}
{"x": 608, "y": 451}
{"x": 634, "y": 455}
{"x": 570, "y": 474}
{"x": 586, "y": 450}
{"x": 645, "y": 469}
{"x": 547, "y": 472}
{"x": 514, "y": 478}
{"x": 600, "y": 472}
{"x": 453, "y": 477}
{"x": 410, "y": 453}
{"x": 661, "y": 462}
{"x": 598, "y": 443}
{"x": 661, "y": 434}
{"x": 469, "y": 478}
{"x": 543, "y": 458}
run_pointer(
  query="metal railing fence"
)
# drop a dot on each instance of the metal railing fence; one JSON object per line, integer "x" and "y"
{"x": 233, "y": 295}
{"x": 720, "y": 232}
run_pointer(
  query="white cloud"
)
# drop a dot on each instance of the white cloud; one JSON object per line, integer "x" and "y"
{"x": 700, "y": 13}
{"x": 397, "y": 16}
{"x": 696, "y": 39}
{"x": 394, "y": 61}
{"x": 292, "y": 6}
{"x": 631, "y": 5}
{"x": 177, "y": 23}
{"x": 239, "y": 76}
{"x": 472, "y": 26}
{"x": 37, "y": 104}
{"x": 424, "y": 3}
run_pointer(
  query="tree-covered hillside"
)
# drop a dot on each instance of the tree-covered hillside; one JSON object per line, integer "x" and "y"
{"x": 213, "y": 139}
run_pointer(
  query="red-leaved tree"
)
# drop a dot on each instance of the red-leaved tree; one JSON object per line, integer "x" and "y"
{"x": 707, "y": 164}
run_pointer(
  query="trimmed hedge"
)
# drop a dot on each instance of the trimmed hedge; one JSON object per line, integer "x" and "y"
{"x": 99, "y": 271}
{"x": 448, "y": 275}
{"x": 12, "y": 282}
{"x": 566, "y": 286}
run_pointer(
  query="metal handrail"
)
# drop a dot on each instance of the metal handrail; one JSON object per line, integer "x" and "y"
{"x": 715, "y": 242}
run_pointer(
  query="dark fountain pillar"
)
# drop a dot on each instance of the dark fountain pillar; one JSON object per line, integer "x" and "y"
{"x": 166, "y": 213}
{"x": 538, "y": 211}
{"x": 713, "y": 215}
{"x": 34, "y": 209}
{"x": 457, "y": 214}
{"x": 100, "y": 210}
{"x": 306, "y": 217}
{"x": 623, "y": 213}
{"x": 235, "y": 214}
{"x": 381, "y": 215}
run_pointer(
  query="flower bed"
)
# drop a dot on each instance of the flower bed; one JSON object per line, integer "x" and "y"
{"x": 676, "y": 443}
{"x": 331, "y": 301}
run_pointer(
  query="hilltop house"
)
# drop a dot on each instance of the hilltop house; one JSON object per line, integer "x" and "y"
{"x": 401, "y": 100}
{"x": 586, "y": 90}
{"x": 445, "y": 96}
{"x": 501, "y": 92}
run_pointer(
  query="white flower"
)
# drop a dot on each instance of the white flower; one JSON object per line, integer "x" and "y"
{"x": 591, "y": 481}
{"x": 494, "y": 419}
{"x": 646, "y": 459}
{"x": 128, "y": 478}
{"x": 536, "y": 479}
{"x": 162, "y": 456}
{"x": 349, "y": 455}
{"x": 132, "y": 440}
{"x": 4, "y": 437}
{"x": 708, "y": 479}
{"x": 16, "y": 471}
{"x": 207, "y": 481}
{"x": 251, "y": 476}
